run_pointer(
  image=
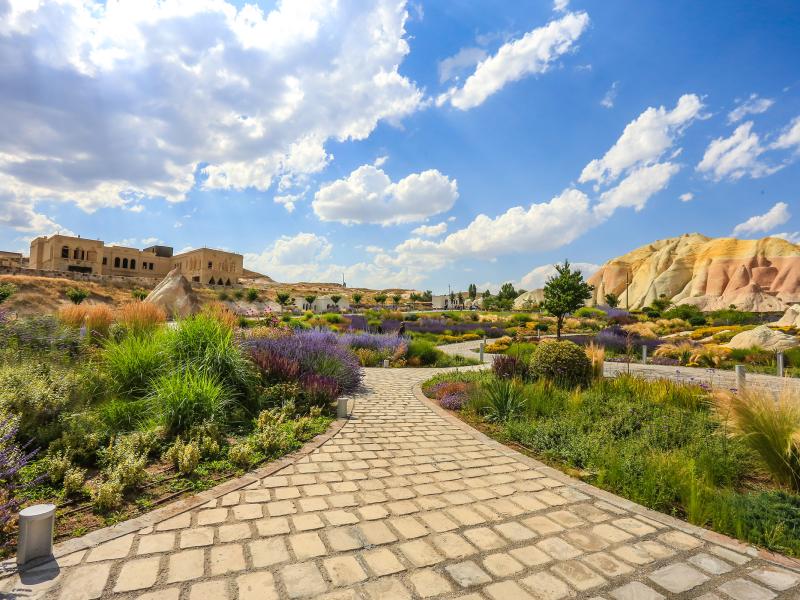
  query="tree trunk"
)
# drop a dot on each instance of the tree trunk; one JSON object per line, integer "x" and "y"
{"x": 559, "y": 323}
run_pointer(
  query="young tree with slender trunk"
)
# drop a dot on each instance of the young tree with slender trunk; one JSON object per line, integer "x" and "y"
{"x": 564, "y": 293}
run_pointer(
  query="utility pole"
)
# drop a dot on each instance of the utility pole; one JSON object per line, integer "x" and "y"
{"x": 627, "y": 292}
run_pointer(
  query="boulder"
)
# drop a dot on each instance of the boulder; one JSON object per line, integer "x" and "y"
{"x": 791, "y": 318}
{"x": 765, "y": 338}
{"x": 175, "y": 296}
{"x": 526, "y": 300}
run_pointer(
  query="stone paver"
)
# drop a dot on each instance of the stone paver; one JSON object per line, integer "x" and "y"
{"x": 405, "y": 503}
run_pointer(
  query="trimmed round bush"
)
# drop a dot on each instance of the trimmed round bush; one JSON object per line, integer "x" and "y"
{"x": 562, "y": 362}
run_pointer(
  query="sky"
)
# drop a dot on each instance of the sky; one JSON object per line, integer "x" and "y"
{"x": 420, "y": 144}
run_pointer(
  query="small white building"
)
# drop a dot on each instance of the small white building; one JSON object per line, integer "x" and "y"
{"x": 322, "y": 304}
{"x": 443, "y": 302}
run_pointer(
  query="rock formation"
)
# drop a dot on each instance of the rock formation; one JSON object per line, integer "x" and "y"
{"x": 791, "y": 318}
{"x": 757, "y": 275}
{"x": 175, "y": 295}
{"x": 765, "y": 338}
{"x": 528, "y": 299}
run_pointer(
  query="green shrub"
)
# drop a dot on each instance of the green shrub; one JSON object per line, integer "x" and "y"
{"x": 57, "y": 465}
{"x": 121, "y": 416}
{"x": 563, "y": 362}
{"x": 74, "y": 479}
{"x": 6, "y": 291}
{"x": 589, "y": 312}
{"x": 180, "y": 401}
{"x": 223, "y": 296}
{"x": 139, "y": 294}
{"x": 333, "y": 318}
{"x": 424, "y": 352}
{"x": 499, "y": 400}
{"x": 76, "y": 295}
{"x": 134, "y": 362}
{"x": 107, "y": 496}
{"x": 252, "y": 294}
{"x": 240, "y": 454}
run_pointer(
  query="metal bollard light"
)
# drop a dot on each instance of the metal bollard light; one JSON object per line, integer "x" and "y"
{"x": 482, "y": 346}
{"x": 740, "y": 378}
{"x": 341, "y": 407}
{"x": 385, "y": 363}
{"x": 779, "y": 361}
{"x": 35, "y": 532}
{"x": 644, "y": 355}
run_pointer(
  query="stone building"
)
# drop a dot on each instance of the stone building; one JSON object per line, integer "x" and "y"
{"x": 79, "y": 255}
{"x": 10, "y": 259}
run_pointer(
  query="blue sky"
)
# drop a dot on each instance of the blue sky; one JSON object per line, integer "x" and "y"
{"x": 403, "y": 144}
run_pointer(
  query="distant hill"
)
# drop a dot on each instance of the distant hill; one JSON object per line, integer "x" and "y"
{"x": 711, "y": 273}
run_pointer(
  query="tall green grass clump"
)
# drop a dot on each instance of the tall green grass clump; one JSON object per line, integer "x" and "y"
{"x": 770, "y": 426}
{"x": 134, "y": 361}
{"x": 499, "y": 400}
{"x": 182, "y": 400}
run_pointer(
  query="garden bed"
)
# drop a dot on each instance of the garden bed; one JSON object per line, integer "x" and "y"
{"x": 668, "y": 446}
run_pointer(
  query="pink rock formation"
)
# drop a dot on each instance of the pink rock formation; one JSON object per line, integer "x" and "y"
{"x": 759, "y": 275}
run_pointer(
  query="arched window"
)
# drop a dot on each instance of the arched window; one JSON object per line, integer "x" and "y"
{"x": 65, "y": 252}
{"x": 228, "y": 282}
{"x": 219, "y": 281}
{"x": 76, "y": 254}
{"x": 211, "y": 281}
{"x": 133, "y": 263}
{"x": 116, "y": 262}
{"x": 124, "y": 263}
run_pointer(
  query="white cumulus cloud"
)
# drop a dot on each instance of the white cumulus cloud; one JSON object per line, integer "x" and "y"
{"x": 532, "y": 54}
{"x": 644, "y": 140}
{"x": 430, "y": 230}
{"x": 790, "y": 138}
{"x": 754, "y": 105}
{"x": 686, "y": 197}
{"x": 368, "y": 195}
{"x": 774, "y": 217}
{"x": 735, "y": 156}
{"x": 636, "y": 189}
{"x": 104, "y": 102}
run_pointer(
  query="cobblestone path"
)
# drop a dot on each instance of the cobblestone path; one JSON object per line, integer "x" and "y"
{"x": 405, "y": 502}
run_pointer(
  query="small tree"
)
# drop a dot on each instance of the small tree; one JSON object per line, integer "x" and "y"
{"x": 335, "y": 299}
{"x": 565, "y": 292}
{"x": 138, "y": 294}
{"x": 414, "y": 297}
{"x": 310, "y": 300}
{"x": 6, "y": 291}
{"x": 460, "y": 299}
{"x": 472, "y": 291}
{"x": 427, "y": 296}
{"x": 77, "y": 295}
{"x": 612, "y": 300}
{"x": 381, "y": 298}
{"x": 251, "y": 294}
{"x": 357, "y": 298}
{"x": 396, "y": 299}
{"x": 283, "y": 299}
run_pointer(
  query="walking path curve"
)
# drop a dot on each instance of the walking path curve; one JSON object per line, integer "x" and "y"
{"x": 406, "y": 501}
{"x": 714, "y": 377}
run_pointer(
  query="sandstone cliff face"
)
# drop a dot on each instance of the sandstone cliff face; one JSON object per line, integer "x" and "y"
{"x": 758, "y": 275}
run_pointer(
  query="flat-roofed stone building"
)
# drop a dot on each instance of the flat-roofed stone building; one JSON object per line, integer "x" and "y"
{"x": 80, "y": 255}
{"x": 10, "y": 259}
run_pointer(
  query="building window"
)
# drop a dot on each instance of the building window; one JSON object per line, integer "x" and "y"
{"x": 209, "y": 264}
{"x": 151, "y": 266}
{"x": 124, "y": 263}
{"x": 133, "y": 263}
{"x": 65, "y": 252}
{"x": 211, "y": 281}
{"x": 105, "y": 260}
{"x": 116, "y": 262}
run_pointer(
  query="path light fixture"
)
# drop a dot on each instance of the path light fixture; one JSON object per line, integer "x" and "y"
{"x": 35, "y": 532}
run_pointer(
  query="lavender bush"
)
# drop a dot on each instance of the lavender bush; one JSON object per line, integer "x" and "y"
{"x": 453, "y": 401}
{"x": 12, "y": 459}
{"x": 315, "y": 352}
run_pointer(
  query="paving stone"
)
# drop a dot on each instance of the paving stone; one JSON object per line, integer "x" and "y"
{"x": 484, "y": 538}
{"x": 281, "y": 508}
{"x": 611, "y": 534}
{"x": 307, "y": 522}
{"x": 542, "y": 525}
{"x": 565, "y": 518}
{"x": 307, "y": 545}
{"x": 465, "y": 516}
{"x": 678, "y": 577}
{"x": 506, "y": 590}
{"x": 453, "y": 545}
{"x": 439, "y": 522}
{"x": 409, "y": 527}
{"x": 303, "y": 580}
{"x": 114, "y": 549}
{"x": 729, "y": 555}
{"x": 382, "y": 562}
{"x": 530, "y": 556}
{"x": 656, "y": 550}
{"x": 502, "y": 564}
{"x": 274, "y": 526}
{"x": 212, "y": 517}
{"x": 245, "y": 512}
{"x": 199, "y": 536}
{"x": 257, "y": 586}
{"x": 680, "y": 540}
{"x": 376, "y": 532}
{"x": 387, "y": 588}
{"x": 177, "y": 522}
{"x": 164, "y": 594}
{"x": 545, "y": 586}
{"x": 343, "y": 538}
{"x": 608, "y": 565}
{"x": 226, "y": 559}
{"x": 312, "y": 504}
{"x": 635, "y": 591}
{"x": 373, "y": 512}
{"x": 420, "y": 554}
{"x": 776, "y": 578}
{"x": 710, "y": 564}
{"x": 428, "y": 583}
{"x": 235, "y": 532}
{"x": 137, "y": 574}
{"x": 741, "y": 589}
{"x": 514, "y": 531}
{"x": 467, "y": 574}
{"x": 558, "y": 548}
{"x": 340, "y": 517}
{"x": 344, "y": 570}
{"x": 85, "y": 581}
{"x": 586, "y": 540}
{"x": 155, "y": 542}
{"x": 268, "y": 552}
{"x": 634, "y": 526}
{"x": 186, "y": 565}
{"x": 577, "y": 574}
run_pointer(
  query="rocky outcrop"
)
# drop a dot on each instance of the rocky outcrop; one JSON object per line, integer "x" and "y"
{"x": 710, "y": 273}
{"x": 791, "y": 318}
{"x": 529, "y": 299}
{"x": 175, "y": 296}
{"x": 765, "y": 338}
